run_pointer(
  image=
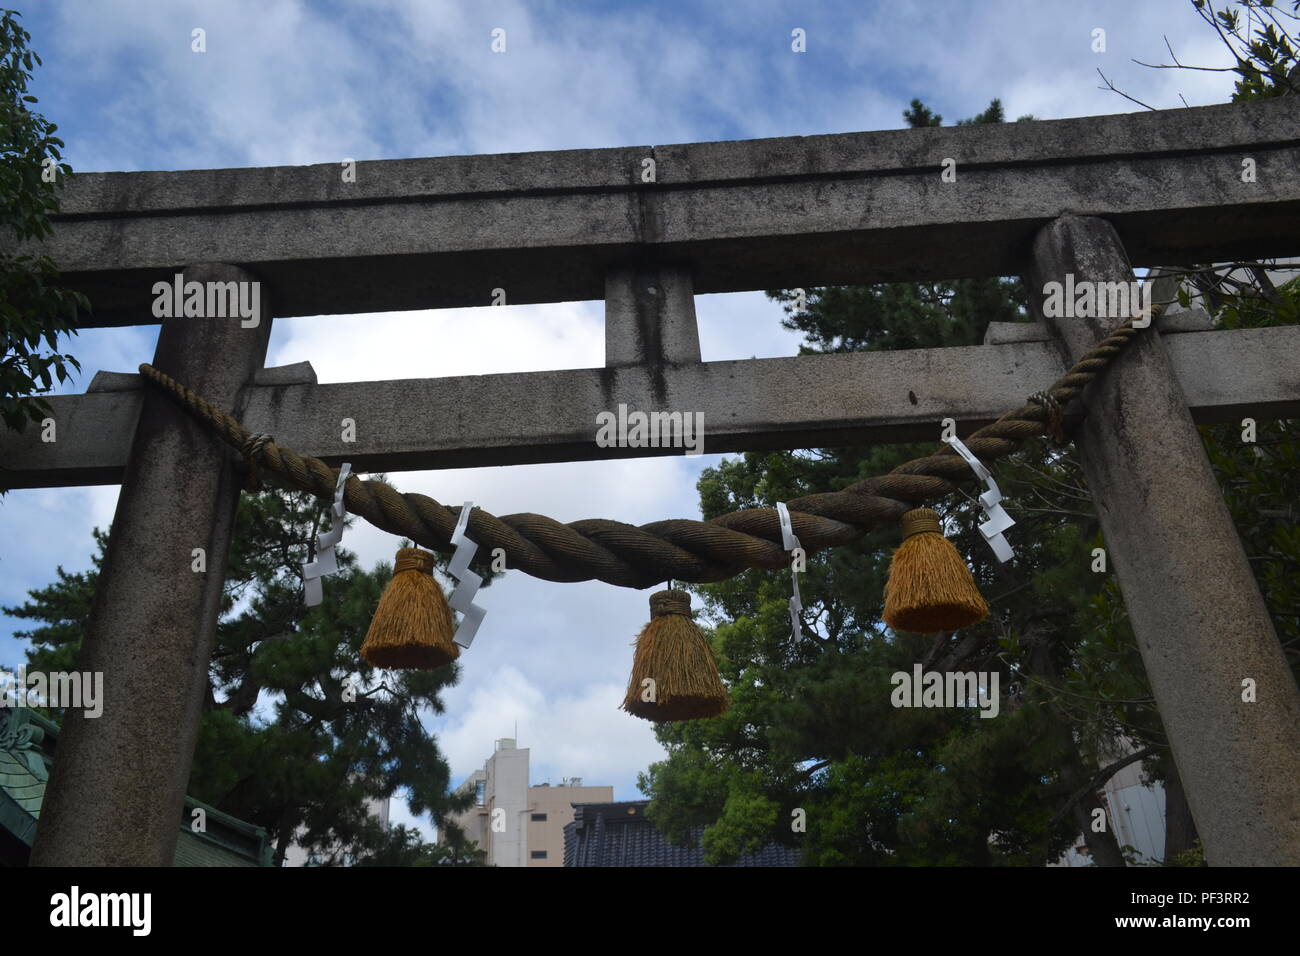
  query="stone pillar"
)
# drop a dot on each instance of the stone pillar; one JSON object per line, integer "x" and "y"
{"x": 1200, "y": 621}
{"x": 117, "y": 788}
{"x": 650, "y": 317}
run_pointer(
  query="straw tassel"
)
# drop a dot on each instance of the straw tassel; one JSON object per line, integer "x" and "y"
{"x": 412, "y": 626}
{"x": 930, "y": 588}
{"x": 674, "y": 674}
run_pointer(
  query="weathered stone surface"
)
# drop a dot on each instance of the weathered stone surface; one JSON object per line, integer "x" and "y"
{"x": 113, "y": 382}
{"x": 1200, "y": 621}
{"x": 1188, "y": 320}
{"x": 299, "y": 373}
{"x": 650, "y": 317}
{"x": 117, "y": 788}
{"x": 756, "y": 214}
{"x": 807, "y": 402}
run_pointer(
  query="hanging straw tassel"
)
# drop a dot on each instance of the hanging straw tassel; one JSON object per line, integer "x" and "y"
{"x": 412, "y": 626}
{"x": 674, "y": 666}
{"x": 930, "y": 588}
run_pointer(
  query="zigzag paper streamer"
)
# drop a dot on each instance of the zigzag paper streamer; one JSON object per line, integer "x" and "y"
{"x": 462, "y": 599}
{"x": 789, "y": 541}
{"x": 999, "y": 520}
{"x": 326, "y": 562}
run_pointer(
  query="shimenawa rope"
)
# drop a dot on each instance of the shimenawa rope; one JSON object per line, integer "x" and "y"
{"x": 677, "y": 549}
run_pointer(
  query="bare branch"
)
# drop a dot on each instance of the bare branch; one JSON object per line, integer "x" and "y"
{"x": 1099, "y": 778}
{"x": 1111, "y": 86}
{"x": 1181, "y": 66}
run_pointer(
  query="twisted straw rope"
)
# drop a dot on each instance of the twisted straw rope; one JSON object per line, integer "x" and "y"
{"x": 677, "y": 549}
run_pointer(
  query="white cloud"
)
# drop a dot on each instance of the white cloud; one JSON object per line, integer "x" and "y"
{"x": 1037, "y": 58}
{"x": 580, "y": 733}
{"x": 434, "y": 343}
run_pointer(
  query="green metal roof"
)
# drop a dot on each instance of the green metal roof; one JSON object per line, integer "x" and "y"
{"x": 27, "y": 742}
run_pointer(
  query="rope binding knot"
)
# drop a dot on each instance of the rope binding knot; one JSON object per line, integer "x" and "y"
{"x": 252, "y": 450}
{"x": 1055, "y": 423}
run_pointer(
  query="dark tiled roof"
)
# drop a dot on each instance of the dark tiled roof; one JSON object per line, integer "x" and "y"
{"x": 214, "y": 848}
{"x": 618, "y": 834}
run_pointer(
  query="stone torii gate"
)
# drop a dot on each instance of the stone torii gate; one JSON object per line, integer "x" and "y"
{"x": 647, "y": 228}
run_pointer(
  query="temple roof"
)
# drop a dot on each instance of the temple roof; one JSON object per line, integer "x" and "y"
{"x": 618, "y": 834}
{"x": 27, "y": 745}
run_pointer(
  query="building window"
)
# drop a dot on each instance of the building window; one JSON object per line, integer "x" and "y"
{"x": 538, "y": 854}
{"x": 539, "y": 818}
{"x": 480, "y": 792}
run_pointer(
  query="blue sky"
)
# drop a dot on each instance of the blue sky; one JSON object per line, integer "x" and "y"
{"x": 286, "y": 83}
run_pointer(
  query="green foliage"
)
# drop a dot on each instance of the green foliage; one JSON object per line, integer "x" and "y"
{"x": 34, "y": 309}
{"x": 404, "y": 847}
{"x": 1195, "y": 856}
{"x": 994, "y": 114}
{"x": 919, "y": 115}
{"x": 1258, "y": 34}
{"x": 298, "y": 733}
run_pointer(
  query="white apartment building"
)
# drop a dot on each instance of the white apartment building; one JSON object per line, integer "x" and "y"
{"x": 517, "y": 824}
